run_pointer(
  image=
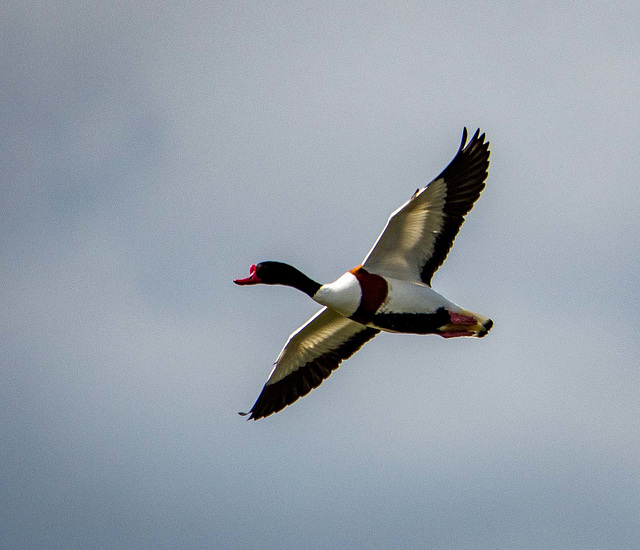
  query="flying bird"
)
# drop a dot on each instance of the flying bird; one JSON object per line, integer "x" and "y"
{"x": 390, "y": 291}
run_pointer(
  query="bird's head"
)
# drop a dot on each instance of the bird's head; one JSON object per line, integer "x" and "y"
{"x": 268, "y": 273}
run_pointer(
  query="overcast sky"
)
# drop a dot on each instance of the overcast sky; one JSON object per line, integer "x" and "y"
{"x": 151, "y": 151}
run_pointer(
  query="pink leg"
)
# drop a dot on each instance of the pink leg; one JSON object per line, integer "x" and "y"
{"x": 458, "y": 319}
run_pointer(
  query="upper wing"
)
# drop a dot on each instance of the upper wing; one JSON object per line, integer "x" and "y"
{"x": 310, "y": 355}
{"x": 419, "y": 234}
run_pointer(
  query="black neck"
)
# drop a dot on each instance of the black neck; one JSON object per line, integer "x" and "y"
{"x": 305, "y": 284}
{"x": 279, "y": 273}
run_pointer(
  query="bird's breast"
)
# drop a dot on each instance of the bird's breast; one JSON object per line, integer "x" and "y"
{"x": 342, "y": 295}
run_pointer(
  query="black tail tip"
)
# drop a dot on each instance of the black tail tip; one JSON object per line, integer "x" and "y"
{"x": 485, "y": 328}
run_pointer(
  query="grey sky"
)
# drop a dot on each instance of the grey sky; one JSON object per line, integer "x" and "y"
{"x": 152, "y": 152}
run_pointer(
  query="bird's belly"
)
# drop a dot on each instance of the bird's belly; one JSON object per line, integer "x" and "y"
{"x": 412, "y": 308}
{"x": 418, "y": 309}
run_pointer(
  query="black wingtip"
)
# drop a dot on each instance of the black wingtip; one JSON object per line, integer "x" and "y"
{"x": 477, "y": 138}
{"x": 463, "y": 142}
{"x": 252, "y": 417}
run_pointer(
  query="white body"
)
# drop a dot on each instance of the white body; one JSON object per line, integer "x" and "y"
{"x": 414, "y": 297}
{"x": 344, "y": 294}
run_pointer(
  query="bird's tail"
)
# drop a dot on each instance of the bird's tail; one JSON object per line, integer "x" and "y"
{"x": 466, "y": 323}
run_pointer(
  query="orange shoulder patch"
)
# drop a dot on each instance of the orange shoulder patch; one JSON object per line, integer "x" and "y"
{"x": 374, "y": 293}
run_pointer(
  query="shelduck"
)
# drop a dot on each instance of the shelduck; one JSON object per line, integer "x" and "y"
{"x": 390, "y": 291}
